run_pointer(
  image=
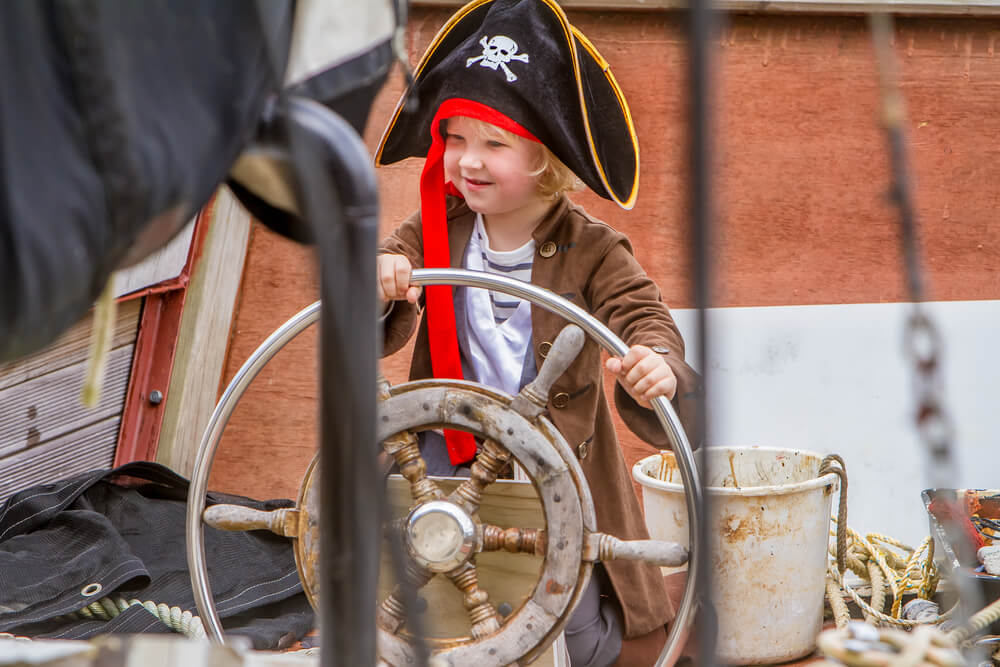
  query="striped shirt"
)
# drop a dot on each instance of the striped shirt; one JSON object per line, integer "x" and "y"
{"x": 512, "y": 263}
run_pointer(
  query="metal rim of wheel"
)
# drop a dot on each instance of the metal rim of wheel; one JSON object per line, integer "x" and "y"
{"x": 680, "y": 627}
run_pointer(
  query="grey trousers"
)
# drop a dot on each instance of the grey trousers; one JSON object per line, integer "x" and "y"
{"x": 594, "y": 632}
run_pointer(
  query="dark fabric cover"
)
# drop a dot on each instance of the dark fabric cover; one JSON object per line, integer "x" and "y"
{"x": 115, "y": 114}
{"x": 56, "y": 539}
{"x": 564, "y": 94}
{"x": 349, "y": 88}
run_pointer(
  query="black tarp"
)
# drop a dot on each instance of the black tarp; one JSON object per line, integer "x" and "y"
{"x": 58, "y": 539}
{"x": 117, "y": 119}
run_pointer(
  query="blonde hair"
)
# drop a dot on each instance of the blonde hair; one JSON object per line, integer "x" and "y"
{"x": 553, "y": 177}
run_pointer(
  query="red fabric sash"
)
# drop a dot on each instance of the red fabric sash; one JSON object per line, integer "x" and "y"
{"x": 445, "y": 358}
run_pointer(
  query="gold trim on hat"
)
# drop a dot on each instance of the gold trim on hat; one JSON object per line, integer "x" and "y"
{"x": 606, "y": 68}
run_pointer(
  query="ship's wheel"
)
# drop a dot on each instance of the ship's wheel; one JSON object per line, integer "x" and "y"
{"x": 443, "y": 534}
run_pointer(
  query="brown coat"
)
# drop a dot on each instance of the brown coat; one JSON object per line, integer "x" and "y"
{"x": 593, "y": 267}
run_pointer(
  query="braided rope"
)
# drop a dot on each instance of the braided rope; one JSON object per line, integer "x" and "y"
{"x": 925, "y": 646}
{"x": 841, "y": 614}
{"x": 873, "y": 558}
{"x": 981, "y": 619}
{"x": 877, "y": 600}
{"x": 827, "y": 466}
{"x": 863, "y": 557}
{"x": 175, "y": 618}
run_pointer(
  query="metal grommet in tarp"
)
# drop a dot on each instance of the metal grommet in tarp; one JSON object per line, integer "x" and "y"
{"x": 90, "y": 590}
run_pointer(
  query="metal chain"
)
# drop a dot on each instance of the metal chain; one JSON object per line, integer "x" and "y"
{"x": 922, "y": 342}
{"x": 923, "y": 346}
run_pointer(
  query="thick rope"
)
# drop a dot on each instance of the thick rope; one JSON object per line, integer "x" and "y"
{"x": 874, "y": 558}
{"x": 827, "y": 466}
{"x": 863, "y": 557}
{"x": 175, "y": 618}
{"x": 926, "y": 645}
{"x": 977, "y": 622}
{"x": 877, "y": 600}
{"x": 841, "y": 614}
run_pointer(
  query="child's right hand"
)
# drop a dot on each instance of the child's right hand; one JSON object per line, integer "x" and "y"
{"x": 394, "y": 279}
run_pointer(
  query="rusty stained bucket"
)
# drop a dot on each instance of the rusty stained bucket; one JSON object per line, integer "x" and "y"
{"x": 768, "y": 536}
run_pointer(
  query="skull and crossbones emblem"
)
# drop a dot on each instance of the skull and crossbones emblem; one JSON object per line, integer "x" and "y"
{"x": 497, "y": 52}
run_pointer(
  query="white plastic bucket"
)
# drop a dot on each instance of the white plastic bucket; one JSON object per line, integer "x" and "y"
{"x": 767, "y": 536}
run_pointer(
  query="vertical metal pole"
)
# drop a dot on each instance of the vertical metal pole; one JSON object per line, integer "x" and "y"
{"x": 339, "y": 193}
{"x": 700, "y": 24}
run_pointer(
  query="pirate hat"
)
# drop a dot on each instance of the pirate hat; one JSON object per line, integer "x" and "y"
{"x": 523, "y": 60}
{"x": 520, "y": 65}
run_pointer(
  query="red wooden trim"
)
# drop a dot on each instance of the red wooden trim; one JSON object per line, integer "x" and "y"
{"x": 152, "y": 364}
{"x": 153, "y": 358}
{"x": 169, "y": 285}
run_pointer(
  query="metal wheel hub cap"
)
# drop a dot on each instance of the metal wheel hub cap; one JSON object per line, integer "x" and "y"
{"x": 440, "y": 535}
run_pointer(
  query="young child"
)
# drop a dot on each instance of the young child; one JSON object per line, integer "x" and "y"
{"x": 515, "y": 105}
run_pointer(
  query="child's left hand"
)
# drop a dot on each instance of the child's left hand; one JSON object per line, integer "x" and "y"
{"x": 644, "y": 375}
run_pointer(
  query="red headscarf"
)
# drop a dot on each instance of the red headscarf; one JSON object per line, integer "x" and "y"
{"x": 445, "y": 358}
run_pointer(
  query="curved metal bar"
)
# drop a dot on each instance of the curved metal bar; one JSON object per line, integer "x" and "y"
{"x": 206, "y": 455}
{"x": 665, "y": 413}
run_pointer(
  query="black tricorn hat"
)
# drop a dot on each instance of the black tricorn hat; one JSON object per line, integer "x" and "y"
{"x": 524, "y": 59}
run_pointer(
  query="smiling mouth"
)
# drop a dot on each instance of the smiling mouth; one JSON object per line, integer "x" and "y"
{"x": 473, "y": 181}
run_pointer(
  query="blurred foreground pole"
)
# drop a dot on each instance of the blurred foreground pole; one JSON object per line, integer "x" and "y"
{"x": 700, "y": 30}
{"x": 337, "y": 186}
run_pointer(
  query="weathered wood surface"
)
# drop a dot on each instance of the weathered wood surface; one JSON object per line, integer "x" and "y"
{"x": 203, "y": 340}
{"x": 71, "y": 347}
{"x": 49, "y": 406}
{"x": 46, "y": 433}
{"x": 91, "y": 447}
{"x": 801, "y": 179}
{"x": 164, "y": 264}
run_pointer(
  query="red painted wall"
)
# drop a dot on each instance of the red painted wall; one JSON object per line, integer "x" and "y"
{"x": 800, "y": 179}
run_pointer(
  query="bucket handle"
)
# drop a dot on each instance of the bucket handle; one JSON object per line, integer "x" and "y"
{"x": 833, "y": 463}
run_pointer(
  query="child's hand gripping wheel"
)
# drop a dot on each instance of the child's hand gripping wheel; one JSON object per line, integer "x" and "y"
{"x": 442, "y": 534}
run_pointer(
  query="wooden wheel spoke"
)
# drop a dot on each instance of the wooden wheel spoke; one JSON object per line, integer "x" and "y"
{"x": 489, "y": 463}
{"x": 603, "y": 547}
{"x": 483, "y": 616}
{"x": 514, "y": 540}
{"x": 405, "y": 450}
{"x": 391, "y": 614}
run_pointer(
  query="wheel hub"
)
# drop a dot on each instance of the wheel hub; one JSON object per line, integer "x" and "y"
{"x": 440, "y": 535}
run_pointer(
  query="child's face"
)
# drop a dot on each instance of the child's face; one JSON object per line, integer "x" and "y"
{"x": 494, "y": 175}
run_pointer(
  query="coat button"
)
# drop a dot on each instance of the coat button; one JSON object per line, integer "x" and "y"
{"x": 659, "y": 349}
{"x": 548, "y": 249}
{"x": 543, "y": 348}
{"x": 560, "y": 400}
{"x": 583, "y": 449}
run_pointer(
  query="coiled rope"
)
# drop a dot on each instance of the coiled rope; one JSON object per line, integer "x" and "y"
{"x": 926, "y": 645}
{"x": 890, "y": 567}
{"x": 887, "y": 572}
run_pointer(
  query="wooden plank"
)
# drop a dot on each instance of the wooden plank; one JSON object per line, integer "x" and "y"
{"x": 915, "y": 7}
{"x": 506, "y": 577}
{"x": 49, "y": 406}
{"x": 204, "y": 335}
{"x": 166, "y": 263}
{"x": 71, "y": 347}
{"x": 89, "y": 448}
